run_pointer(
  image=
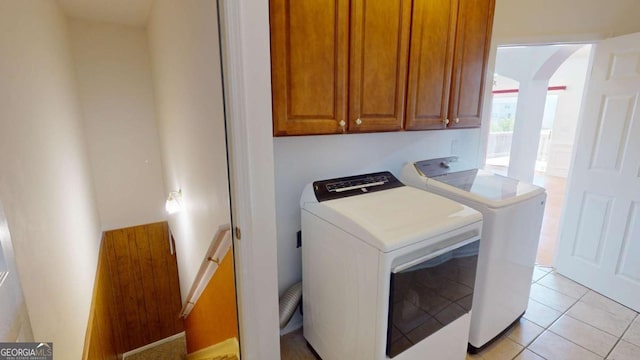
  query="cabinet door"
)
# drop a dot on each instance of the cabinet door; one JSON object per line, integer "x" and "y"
{"x": 309, "y": 55}
{"x": 430, "y": 63}
{"x": 473, "y": 38}
{"x": 378, "y": 71}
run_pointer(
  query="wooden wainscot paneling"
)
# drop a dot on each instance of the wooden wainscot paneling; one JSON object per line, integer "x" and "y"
{"x": 136, "y": 297}
{"x": 102, "y": 340}
{"x": 145, "y": 283}
{"x": 214, "y": 317}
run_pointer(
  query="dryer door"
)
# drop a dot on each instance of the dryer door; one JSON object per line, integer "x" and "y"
{"x": 428, "y": 293}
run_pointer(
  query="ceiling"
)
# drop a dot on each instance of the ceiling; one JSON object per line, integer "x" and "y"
{"x": 124, "y": 12}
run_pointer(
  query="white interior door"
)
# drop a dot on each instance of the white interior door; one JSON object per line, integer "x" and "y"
{"x": 600, "y": 237}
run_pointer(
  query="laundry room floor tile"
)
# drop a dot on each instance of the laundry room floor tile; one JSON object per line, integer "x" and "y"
{"x": 604, "y": 303}
{"x": 552, "y": 298}
{"x": 524, "y": 332}
{"x": 563, "y": 285}
{"x": 527, "y": 354}
{"x": 584, "y": 335}
{"x": 614, "y": 324}
{"x": 625, "y": 351}
{"x": 538, "y": 274}
{"x": 502, "y": 349}
{"x": 632, "y": 334}
{"x": 541, "y": 314}
{"x": 552, "y": 346}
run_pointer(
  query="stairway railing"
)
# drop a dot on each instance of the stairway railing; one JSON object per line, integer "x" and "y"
{"x": 219, "y": 247}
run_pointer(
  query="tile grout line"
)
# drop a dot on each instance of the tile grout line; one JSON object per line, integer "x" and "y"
{"x": 548, "y": 329}
{"x": 604, "y": 331}
{"x": 543, "y": 329}
{"x": 554, "y": 322}
{"x": 558, "y": 291}
{"x": 565, "y": 313}
{"x": 621, "y": 336}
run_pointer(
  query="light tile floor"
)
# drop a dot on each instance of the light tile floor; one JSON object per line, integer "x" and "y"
{"x": 567, "y": 321}
{"x": 564, "y": 321}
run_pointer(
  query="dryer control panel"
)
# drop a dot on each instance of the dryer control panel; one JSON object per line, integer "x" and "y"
{"x": 354, "y": 185}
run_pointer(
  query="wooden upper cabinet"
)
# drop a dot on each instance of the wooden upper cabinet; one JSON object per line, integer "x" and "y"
{"x": 375, "y": 65}
{"x": 473, "y": 38}
{"x": 447, "y": 66}
{"x": 309, "y": 66}
{"x": 430, "y": 63}
{"x": 378, "y": 64}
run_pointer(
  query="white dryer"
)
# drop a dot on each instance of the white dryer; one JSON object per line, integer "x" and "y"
{"x": 512, "y": 211}
{"x": 388, "y": 270}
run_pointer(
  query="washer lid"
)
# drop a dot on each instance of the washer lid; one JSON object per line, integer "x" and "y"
{"x": 394, "y": 218}
{"x": 485, "y": 187}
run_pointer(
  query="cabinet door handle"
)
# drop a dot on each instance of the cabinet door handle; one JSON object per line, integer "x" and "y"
{"x": 358, "y": 121}
{"x": 445, "y": 122}
{"x": 342, "y": 124}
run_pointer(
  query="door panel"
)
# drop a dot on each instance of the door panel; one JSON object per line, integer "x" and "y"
{"x": 613, "y": 128}
{"x": 309, "y": 50}
{"x": 629, "y": 266}
{"x": 430, "y": 63}
{"x": 591, "y": 226}
{"x": 379, "y": 51}
{"x": 601, "y": 227}
{"x": 473, "y": 38}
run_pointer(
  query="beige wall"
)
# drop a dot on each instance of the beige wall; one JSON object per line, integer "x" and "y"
{"x": 185, "y": 56}
{"x": 519, "y": 21}
{"x": 115, "y": 89}
{"x": 45, "y": 183}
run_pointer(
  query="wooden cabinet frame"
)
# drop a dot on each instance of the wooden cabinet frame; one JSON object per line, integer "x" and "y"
{"x": 378, "y": 65}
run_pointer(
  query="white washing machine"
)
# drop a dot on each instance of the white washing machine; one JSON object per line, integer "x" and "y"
{"x": 512, "y": 211}
{"x": 388, "y": 270}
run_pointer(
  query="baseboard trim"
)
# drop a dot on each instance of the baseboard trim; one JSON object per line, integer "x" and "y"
{"x": 153, "y": 344}
{"x": 227, "y": 347}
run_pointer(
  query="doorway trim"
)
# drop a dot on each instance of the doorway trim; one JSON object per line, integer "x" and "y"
{"x": 585, "y": 39}
{"x": 491, "y": 67}
{"x": 246, "y": 73}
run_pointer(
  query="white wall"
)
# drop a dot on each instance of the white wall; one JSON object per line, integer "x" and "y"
{"x": 186, "y": 67}
{"x": 45, "y": 183}
{"x": 115, "y": 89}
